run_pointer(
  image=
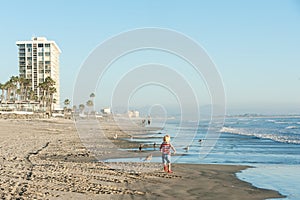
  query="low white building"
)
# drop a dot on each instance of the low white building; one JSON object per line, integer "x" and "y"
{"x": 133, "y": 113}
{"x": 106, "y": 111}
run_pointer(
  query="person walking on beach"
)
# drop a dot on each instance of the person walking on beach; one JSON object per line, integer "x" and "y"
{"x": 166, "y": 148}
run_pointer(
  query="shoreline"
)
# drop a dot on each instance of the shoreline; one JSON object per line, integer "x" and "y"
{"x": 45, "y": 158}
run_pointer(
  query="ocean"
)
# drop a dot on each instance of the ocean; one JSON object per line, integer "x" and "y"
{"x": 271, "y": 145}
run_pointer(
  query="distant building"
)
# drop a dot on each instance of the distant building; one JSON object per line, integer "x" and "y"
{"x": 39, "y": 59}
{"x": 106, "y": 111}
{"x": 133, "y": 113}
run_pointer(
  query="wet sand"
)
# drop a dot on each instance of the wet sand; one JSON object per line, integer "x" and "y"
{"x": 45, "y": 159}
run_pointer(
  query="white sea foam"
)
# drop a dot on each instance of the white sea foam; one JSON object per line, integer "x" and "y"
{"x": 291, "y": 127}
{"x": 281, "y": 122}
{"x": 271, "y": 120}
{"x": 277, "y": 138}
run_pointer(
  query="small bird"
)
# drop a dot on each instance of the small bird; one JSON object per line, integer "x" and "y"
{"x": 140, "y": 147}
{"x": 148, "y": 158}
{"x": 199, "y": 140}
{"x": 116, "y": 136}
{"x": 186, "y": 148}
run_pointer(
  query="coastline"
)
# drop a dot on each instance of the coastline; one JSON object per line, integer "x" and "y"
{"x": 44, "y": 158}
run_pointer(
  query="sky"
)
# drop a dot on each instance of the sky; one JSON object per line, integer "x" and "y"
{"x": 255, "y": 45}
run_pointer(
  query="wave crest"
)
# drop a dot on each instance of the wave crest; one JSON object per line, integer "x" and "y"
{"x": 274, "y": 137}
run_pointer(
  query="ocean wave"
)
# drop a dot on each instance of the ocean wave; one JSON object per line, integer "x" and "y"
{"x": 277, "y": 138}
{"x": 291, "y": 127}
{"x": 281, "y": 122}
{"x": 271, "y": 120}
{"x": 278, "y": 122}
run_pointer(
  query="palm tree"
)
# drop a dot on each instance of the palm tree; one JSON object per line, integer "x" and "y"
{"x": 74, "y": 108}
{"x": 8, "y": 87}
{"x": 30, "y": 95}
{"x": 81, "y": 108}
{"x": 52, "y": 90}
{"x": 2, "y": 88}
{"x": 92, "y": 95}
{"x": 20, "y": 90}
{"x": 26, "y": 85}
{"x": 14, "y": 86}
{"x": 43, "y": 88}
{"x": 17, "y": 95}
{"x": 67, "y": 102}
{"x": 89, "y": 104}
{"x": 48, "y": 89}
{"x": 23, "y": 88}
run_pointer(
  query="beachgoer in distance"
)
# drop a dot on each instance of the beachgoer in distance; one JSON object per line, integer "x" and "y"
{"x": 166, "y": 148}
{"x": 149, "y": 120}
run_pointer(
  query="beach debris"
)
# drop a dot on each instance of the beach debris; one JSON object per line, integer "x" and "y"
{"x": 148, "y": 158}
{"x": 116, "y": 136}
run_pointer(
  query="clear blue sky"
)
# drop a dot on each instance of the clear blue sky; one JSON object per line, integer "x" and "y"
{"x": 254, "y": 44}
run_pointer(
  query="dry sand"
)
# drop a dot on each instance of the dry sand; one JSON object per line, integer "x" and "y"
{"x": 45, "y": 159}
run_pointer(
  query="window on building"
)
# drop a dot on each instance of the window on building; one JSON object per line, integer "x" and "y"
{"x": 29, "y": 45}
{"x": 47, "y": 45}
{"x": 47, "y": 54}
{"x": 40, "y": 45}
{"x": 40, "y": 53}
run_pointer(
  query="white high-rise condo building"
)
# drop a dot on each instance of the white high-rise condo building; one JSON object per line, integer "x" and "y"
{"x": 39, "y": 59}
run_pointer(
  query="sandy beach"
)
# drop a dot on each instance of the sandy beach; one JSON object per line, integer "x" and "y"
{"x": 45, "y": 159}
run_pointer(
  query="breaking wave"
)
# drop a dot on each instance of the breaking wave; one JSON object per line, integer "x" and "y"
{"x": 274, "y": 137}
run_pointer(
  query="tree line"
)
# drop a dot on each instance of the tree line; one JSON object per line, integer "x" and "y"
{"x": 18, "y": 90}
{"x": 89, "y": 104}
